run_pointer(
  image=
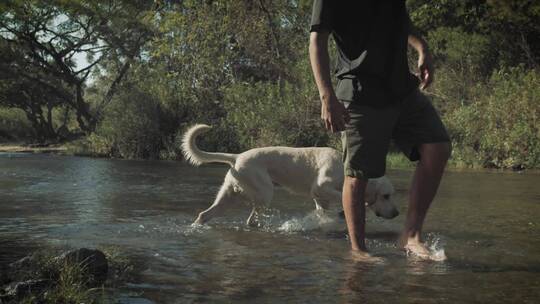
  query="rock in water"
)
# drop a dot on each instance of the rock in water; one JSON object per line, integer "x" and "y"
{"x": 92, "y": 261}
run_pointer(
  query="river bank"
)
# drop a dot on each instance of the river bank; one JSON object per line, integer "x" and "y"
{"x": 394, "y": 160}
{"x": 61, "y": 275}
{"x": 19, "y": 147}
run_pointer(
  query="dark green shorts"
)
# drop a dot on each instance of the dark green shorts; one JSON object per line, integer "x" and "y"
{"x": 367, "y": 136}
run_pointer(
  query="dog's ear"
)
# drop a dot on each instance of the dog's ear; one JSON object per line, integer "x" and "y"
{"x": 370, "y": 194}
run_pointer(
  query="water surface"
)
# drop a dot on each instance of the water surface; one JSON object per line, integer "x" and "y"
{"x": 487, "y": 223}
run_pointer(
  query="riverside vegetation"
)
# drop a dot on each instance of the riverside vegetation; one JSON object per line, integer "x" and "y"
{"x": 51, "y": 275}
{"x": 125, "y": 78}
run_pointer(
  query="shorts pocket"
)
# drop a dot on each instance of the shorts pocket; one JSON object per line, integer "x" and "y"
{"x": 346, "y": 89}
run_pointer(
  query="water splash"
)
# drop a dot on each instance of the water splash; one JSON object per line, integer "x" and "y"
{"x": 267, "y": 219}
{"x": 312, "y": 221}
{"x": 193, "y": 228}
{"x": 435, "y": 247}
{"x": 436, "y": 250}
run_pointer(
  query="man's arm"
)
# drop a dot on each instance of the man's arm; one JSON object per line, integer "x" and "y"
{"x": 333, "y": 113}
{"x": 425, "y": 60}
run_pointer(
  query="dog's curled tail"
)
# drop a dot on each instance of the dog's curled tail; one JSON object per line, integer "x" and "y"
{"x": 198, "y": 157}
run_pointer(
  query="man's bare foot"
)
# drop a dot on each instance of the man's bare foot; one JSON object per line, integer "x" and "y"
{"x": 365, "y": 257}
{"x": 417, "y": 249}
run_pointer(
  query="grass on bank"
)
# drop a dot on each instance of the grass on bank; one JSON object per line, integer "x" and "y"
{"x": 396, "y": 160}
{"x": 95, "y": 146}
{"x": 69, "y": 281}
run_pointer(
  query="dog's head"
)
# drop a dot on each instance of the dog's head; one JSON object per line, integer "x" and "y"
{"x": 380, "y": 197}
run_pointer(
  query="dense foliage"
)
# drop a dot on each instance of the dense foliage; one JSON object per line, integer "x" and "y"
{"x": 151, "y": 69}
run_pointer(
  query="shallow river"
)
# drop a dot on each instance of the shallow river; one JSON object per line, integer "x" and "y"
{"x": 487, "y": 223}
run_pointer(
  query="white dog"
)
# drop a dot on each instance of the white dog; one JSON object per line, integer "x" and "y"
{"x": 313, "y": 172}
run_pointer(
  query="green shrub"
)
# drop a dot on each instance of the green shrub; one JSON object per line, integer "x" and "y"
{"x": 91, "y": 145}
{"x": 263, "y": 114}
{"x": 468, "y": 54}
{"x": 131, "y": 125}
{"x": 500, "y": 128}
{"x": 463, "y": 60}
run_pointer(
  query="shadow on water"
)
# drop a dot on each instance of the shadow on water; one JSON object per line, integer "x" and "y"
{"x": 385, "y": 236}
{"x": 16, "y": 247}
{"x": 490, "y": 268}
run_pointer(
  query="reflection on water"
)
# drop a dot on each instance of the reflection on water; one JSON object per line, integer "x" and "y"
{"x": 487, "y": 223}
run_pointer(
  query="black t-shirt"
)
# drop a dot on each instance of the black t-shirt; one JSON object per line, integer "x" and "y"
{"x": 379, "y": 27}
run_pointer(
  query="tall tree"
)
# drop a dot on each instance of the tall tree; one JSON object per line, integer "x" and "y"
{"x": 29, "y": 89}
{"x": 50, "y": 35}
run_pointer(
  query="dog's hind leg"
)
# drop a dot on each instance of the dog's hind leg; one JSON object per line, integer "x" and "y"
{"x": 209, "y": 213}
{"x": 251, "y": 219}
{"x": 224, "y": 196}
{"x": 260, "y": 196}
{"x": 320, "y": 204}
{"x": 259, "y": 189}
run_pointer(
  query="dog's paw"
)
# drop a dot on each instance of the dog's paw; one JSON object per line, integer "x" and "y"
{"x": 197, "y": 223}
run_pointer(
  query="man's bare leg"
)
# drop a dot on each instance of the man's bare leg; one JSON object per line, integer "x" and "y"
{"x": 355, "y": 211}
{"x": 426, "y": 180}
{"x": 355, "y": 216}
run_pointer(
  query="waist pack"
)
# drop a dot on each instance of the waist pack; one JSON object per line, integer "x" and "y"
{"x": 366, "y": 90}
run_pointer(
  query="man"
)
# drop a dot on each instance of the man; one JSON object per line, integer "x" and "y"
{"x": 380, "y": 101}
